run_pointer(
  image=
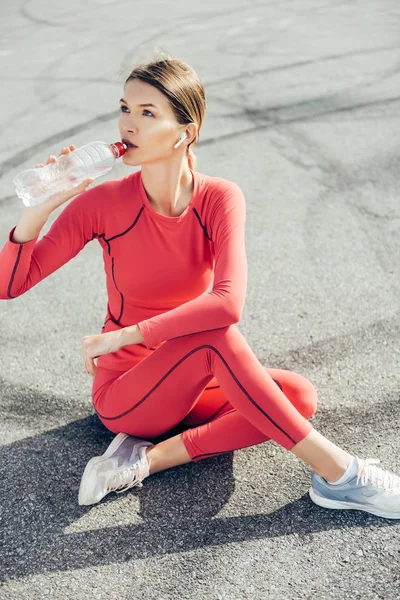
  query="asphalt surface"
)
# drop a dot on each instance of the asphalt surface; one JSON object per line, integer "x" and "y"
{"x": 303, "y": 113}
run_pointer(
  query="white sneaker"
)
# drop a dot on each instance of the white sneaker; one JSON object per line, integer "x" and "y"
{"x": 368, "y": 488}
{"x": 123, "y": 465}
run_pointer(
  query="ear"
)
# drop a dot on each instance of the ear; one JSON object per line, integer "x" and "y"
{"x": 191, "y": 132}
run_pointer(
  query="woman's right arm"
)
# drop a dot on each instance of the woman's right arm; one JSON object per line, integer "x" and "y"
{"x": 24, "y": 261}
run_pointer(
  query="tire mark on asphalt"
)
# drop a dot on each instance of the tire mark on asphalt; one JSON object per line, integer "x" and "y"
{"x": 391, "y": 72}
{"x": 340, "y": 348}
{"x": 206, "y": 17}
{"x": 51, "y": 79}
{"x": 35, "y": 20}
{"x": 333, "y": 176}
{"x": 381, "y": 242}
{"x": 38, "y": 21}
{"x": 303, "y": 63}
{"x": 42, "y": 91}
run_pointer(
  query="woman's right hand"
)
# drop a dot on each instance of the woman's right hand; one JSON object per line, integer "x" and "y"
{"x": 50, "y": 204}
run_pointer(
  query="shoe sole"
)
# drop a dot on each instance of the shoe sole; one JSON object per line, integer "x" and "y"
{"x": 83, "y": 496}
{"x": 335, "y": 504}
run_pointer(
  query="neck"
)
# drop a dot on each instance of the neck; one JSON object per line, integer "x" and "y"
{"x": 168, "y": 187}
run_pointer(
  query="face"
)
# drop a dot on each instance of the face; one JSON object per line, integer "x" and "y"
{"x": 153, "y": 129}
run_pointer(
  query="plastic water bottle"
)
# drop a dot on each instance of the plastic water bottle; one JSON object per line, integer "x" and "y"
{"x": 93, "y": 160}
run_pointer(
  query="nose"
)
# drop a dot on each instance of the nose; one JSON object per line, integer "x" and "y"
{"x": 127, "y": 126}
{"x": 128, "y": 133}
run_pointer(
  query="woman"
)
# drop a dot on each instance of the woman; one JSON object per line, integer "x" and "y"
{"x": 170, "y": 354}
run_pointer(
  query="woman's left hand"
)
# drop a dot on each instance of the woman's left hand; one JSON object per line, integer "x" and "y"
{"x": 94, "y": 346}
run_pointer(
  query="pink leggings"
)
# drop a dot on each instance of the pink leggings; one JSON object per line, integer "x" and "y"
{"x": 188, "y": 380}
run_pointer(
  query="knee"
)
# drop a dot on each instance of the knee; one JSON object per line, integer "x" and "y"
{"x": 306, "y": 396}
{"x": 299, "y": 390}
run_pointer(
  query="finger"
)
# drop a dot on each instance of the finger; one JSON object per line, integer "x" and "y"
{"x": 92, "y": 368}
{"x": 87, "y": 366}
{"x": 38, "y": 166}
{"x": 82, "y": 186}
{"x": 72, "y": 147}
{"x": 85, "y": 360}
{"x": 90, "y": 365}
{"x": 79, "y": 189}
{"x": 64, "y": 151}
{"x": 51, "y": 159}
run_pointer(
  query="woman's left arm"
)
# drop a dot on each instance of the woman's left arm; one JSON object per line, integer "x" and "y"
{"x": 223, "y": 305}
{"x": 94, "y": 346}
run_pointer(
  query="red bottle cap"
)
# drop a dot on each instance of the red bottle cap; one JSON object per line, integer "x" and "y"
{"x": 118, "y": 149}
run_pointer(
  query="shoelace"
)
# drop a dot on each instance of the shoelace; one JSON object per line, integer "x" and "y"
{"x": 129, "y": 477}
{"x": 377, "y": 476}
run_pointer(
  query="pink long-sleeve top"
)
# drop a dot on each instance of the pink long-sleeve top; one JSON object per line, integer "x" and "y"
{"x": 158, "y": 268}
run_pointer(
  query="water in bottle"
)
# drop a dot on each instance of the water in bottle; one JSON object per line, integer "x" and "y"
{"x": 93, "y": 160}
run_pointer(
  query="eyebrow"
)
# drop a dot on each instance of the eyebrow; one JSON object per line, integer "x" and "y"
{"x": 125, "y": 102}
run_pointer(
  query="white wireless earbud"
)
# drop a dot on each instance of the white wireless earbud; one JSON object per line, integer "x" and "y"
{"x": 183, "y": 137}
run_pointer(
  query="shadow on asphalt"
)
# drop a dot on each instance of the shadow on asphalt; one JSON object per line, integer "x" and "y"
{"x": 40, "y": 480}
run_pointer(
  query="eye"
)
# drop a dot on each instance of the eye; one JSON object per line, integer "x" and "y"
{"x": 148, "y": 111}
{"x": 122, "y": 108}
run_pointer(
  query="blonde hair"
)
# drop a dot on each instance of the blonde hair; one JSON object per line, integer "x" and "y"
{"x": 183, "y": 89}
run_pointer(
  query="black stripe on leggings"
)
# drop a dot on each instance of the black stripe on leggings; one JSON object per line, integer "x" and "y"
{"x": 211, "y": 454}
{"x": 176, "y": 366}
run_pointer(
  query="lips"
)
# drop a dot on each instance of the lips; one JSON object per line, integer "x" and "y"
{"x": 128, "y": 144}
